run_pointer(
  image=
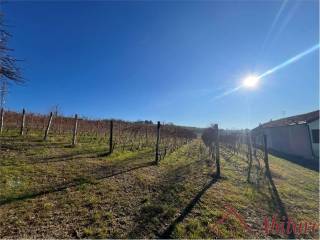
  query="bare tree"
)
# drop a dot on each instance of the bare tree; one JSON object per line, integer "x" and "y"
{"x": 8, "y": 64}
{"x": 9, "y": 72}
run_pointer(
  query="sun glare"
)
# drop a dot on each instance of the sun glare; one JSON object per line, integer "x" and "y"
{"x": 251, "y": 81}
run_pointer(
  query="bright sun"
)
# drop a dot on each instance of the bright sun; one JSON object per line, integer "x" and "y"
{"x": 250, "y": 81}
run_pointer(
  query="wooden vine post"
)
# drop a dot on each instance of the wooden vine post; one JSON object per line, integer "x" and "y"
{"x": 1, "y": 120}
{"x": 23, "y": 120}
{"x": 217, "y": 150}
{"x": 266, "y": 159}
{"x": 249, "y": 143}
{"x": 254, "y": 144}
{"x": 46, "y": 133}
{"x": 75, "y": 129}
{"x": 212, "y": 151}
{"x": 146, "y": 135}
{"x": 111, "y": 137}
{"x": 157, "y": 143}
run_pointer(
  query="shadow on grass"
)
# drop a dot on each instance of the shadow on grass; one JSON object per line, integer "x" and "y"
{"x": 163, "y": 208}
{"x": 167, "y": 233}
{"x": 8, "y": 143}
{"x": 70, "y": 156}
{"x": 277, "y": 200}
{"x": 101, "y": 173}
{"x": 266, "y": 178}
{"x": 312, "y": 164}
{"x": 60, "y": 158}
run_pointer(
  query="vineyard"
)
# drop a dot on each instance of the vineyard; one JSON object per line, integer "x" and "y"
{"x": 115, "y": 134}
{"x": 68, "y": 177}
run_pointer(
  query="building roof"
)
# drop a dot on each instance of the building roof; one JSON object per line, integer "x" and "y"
{"x": 298, "y": 119}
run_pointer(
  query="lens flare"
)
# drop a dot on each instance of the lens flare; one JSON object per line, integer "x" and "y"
{"x": 252, "y": 81}
{"x": 290, "y": 60}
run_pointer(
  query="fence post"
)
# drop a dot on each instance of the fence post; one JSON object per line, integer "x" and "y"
{"x": 111, "y": 137}
{"x": 23, "y": 122}
{"x": 217, "y": 151}
{"x": 254, "y": 144}
{"x": 200, "y": 151}
{"x": 146, "y": 135}
{"x": 266, "y": 159}
{"x": 119, "y": 133}
{"x": 48, "y": 127}
{"x": 75, "y": 128}
{"x": 157, "y": 143}
{"x": 1, "y": 119}
{"x": 249, "y": 143}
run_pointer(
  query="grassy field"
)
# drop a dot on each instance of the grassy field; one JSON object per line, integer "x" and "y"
{"x": 51, "y": 190}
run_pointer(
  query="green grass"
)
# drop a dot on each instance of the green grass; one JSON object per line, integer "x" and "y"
{"x": 51, "y": 190}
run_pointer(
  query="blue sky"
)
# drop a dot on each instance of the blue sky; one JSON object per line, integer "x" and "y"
{"x": 165, "y": 61}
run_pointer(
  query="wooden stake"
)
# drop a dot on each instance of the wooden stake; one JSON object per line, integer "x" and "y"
{"x": 1, "y": 120}
{"x": 48, "y": 127}
{"x": 110, "y": 137}
{"x": 75, "y": 128}
{"x": 254, "y": 144}
{"x": 157, "y": 143}
{"x": 249, "y": 143}
{"x": 217, "y": 151}
{"x": 23, "y": 122}
{"x": 266, "y": 159}
{"x": 146, "y": 135}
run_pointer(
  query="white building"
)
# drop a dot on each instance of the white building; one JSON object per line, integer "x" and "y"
{"x": 295, "y": 136}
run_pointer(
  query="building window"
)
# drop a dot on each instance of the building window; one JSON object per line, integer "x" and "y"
{"x": 315, "y": 135}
